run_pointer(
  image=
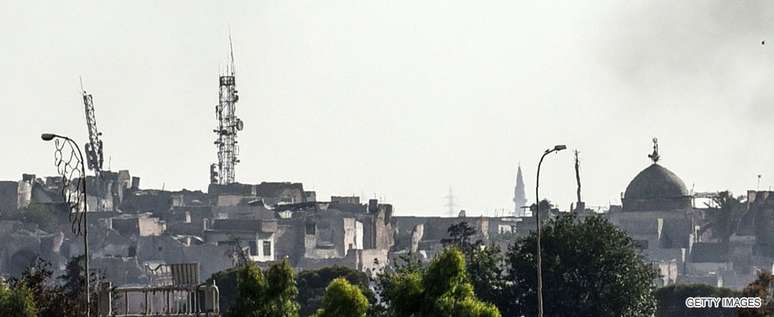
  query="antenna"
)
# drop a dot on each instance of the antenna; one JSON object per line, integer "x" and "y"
{"x": 231, "y": 52}
{"x": 577, "y": 176}
{"x": 228, "y": 125}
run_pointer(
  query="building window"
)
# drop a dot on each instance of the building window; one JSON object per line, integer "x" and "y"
{"x": 311, "y": 228}
{"x": 267, "y": 248}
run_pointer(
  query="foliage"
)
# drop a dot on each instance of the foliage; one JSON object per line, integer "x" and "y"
{"x": 442, "y": 289}
{"x": 545, "y": 207}
{"x": 343, "y": 299}
{"x": 462, "y": 236}
{"x": 724, "y": 213}
{"x": 251, "y": 286}
{"x": 227, "y": 287}
{"x": 17, "y": 301}
{"x": 761, "y": 287}
{"x": 590, "y": 268}
{"x": 74, "y": 279}
{"x": 269, "y": 295}
{"x": 40, "y": 215}
{"x": 51, "y": 299}
{"x": 486, "y": 274}
{"x": 313, "y": 283}
{"x": 483, "y": 263}
{"x": 671, "y": 300}
{"x": 281, "y": 290}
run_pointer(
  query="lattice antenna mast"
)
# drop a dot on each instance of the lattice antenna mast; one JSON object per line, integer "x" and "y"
{"x": 228, "y": 126}
{"x": 94, "y": 156}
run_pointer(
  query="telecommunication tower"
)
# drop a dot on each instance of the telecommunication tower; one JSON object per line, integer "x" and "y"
{"x": 228, "y": 126}
{"x": 94, "y": 156}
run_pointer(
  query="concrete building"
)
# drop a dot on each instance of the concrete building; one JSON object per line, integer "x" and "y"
{"x": 254, "y": 237}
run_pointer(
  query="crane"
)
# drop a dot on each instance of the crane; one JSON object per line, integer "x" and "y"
{"x": 94, "y": 156}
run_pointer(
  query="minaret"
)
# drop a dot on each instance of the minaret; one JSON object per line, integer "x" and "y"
{"x": 519, "y": 196}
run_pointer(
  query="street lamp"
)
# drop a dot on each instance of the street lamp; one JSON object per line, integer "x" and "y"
{"x": 556, "y": 148}
{"x": 71, "y": 167}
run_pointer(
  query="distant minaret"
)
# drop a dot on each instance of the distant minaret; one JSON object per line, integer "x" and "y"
{"x": 519, "y": 196}
{"x": 450, "y": 203}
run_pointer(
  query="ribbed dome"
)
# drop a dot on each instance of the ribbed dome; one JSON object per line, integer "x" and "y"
{"x": 656, "y": 189}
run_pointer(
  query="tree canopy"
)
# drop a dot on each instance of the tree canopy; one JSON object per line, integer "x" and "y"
{"x": 590, "y": 268}
{"x": 17, "y": 301}
{"x": 442, "y": 289}
{"x": 343, "y": 299}
{"x": 671, "y": 300}
{"x": 269, "y": 295}
{"x": 724, "y": 214}
{"x": 760, "y": 287}
{"x": 313, "y": 283}
{"x": 484, "y": 263}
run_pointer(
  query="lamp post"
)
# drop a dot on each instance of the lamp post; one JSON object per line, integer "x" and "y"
{"x": 70, "y": 165}
{"x": 537, "y": 225}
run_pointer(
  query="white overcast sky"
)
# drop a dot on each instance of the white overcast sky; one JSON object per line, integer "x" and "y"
{"x": 400, "y": 99}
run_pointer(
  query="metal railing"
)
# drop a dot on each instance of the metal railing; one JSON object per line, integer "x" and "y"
{"x": 182, "y": 301}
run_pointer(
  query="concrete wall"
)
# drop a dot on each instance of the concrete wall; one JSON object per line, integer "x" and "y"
{"x": 353, "y": 234}
{"x": 140, "y": 226}
{"x": 228, "y": 200}
{"x": 24, "y": 194}
{"x": 8, "y": 196}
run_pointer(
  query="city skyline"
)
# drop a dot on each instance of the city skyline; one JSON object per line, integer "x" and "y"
{"x": 403, "y": 106}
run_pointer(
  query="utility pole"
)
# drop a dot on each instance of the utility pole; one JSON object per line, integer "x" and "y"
{"x": 577, "y": 180}
{"x": 69, "y": 162}
{"x": 539, "y": 257}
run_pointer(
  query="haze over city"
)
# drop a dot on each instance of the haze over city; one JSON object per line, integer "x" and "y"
{"x": 402, "y": 99}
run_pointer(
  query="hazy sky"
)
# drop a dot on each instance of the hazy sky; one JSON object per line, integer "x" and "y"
{"x": 400, "y": 99}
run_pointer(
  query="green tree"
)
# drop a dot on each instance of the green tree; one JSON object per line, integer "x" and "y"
{"x": 50, "y": 298}
{"x": 281, "y": 290}
{"x": 442, "y": 289}
{"x": 671, "y": 300}
{"x": 761, "y": 287}
{"x": 251, "y": 293}
{"x": 343, "y": 299}
{"x": 461, "y": 234}
{"x": 17, "y": 301}
{"x": 269, "y": 295}
{"x": 227, "y": 286}
{"x": 483, "y": 263}
{"x": 724, "y": 214}
{"x": 313, "y": 283}
{"x": 590, "y": 268}
{"x": 41, "y": 215}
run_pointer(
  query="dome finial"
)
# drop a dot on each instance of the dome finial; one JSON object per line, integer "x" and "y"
{"x": 654, "y": 156}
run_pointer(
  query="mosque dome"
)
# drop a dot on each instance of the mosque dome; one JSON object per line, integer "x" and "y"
{"x": 656, "y": 189}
